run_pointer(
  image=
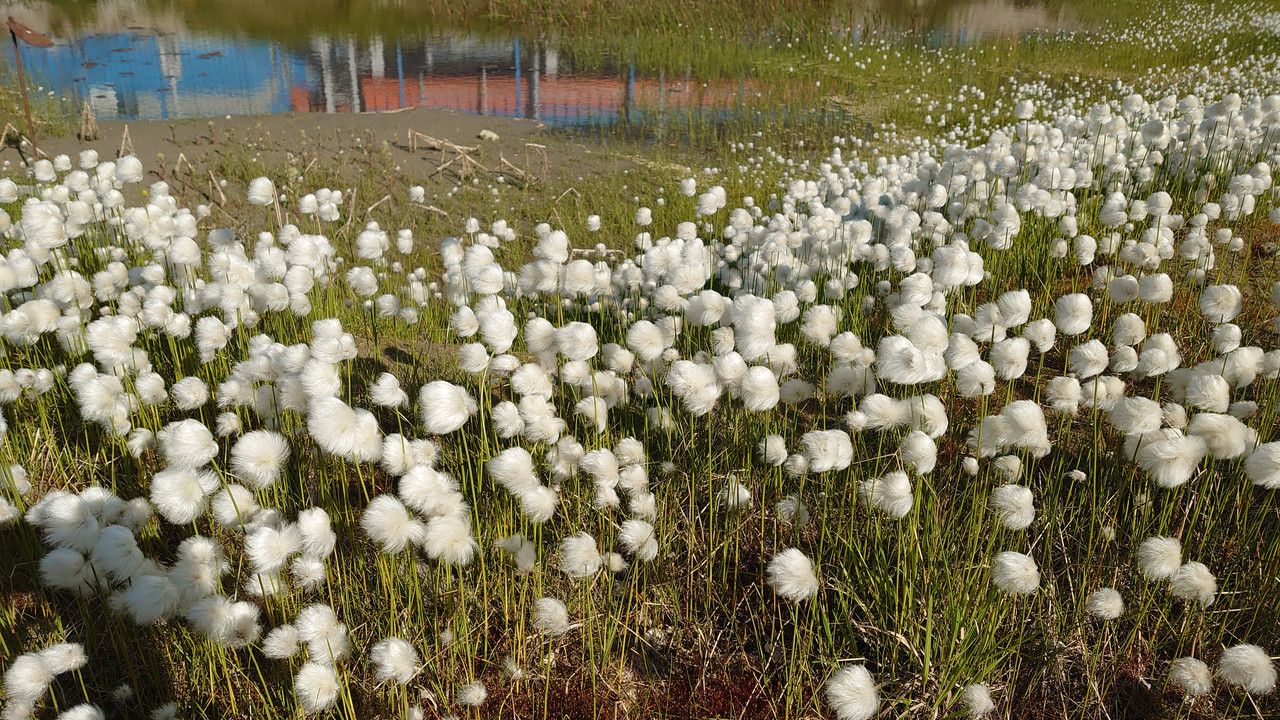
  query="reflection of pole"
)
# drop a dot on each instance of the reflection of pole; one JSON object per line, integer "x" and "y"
{"x": 628, "y": 93}
{"x": 519, "y": 99}
{"x": 326, "y": 75}
{"x": 482, "y": 96}
{"x": 355, "y": 76}
{"x": 533, "y": 111}
{"x": 400, "y": 71}
{"x": 22, "y": 83}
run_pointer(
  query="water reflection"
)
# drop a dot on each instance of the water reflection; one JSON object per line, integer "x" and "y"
{"x": 161, "y": 75}
{"x": 131, "y": 61}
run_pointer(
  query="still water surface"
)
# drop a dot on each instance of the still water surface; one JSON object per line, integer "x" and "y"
{"x": 134, "y": 59}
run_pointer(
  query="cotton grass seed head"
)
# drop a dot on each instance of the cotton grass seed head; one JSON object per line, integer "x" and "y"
{"x": 977, "y": 699}
{"x": 550, "y": 616}
{"x": 1192, "y": 675}
{"x": 1015, "y": 573}
{"x": 395, "y": 660}
{"x": 791, "y": 573}
{"x": 1249, "y": 667}
{"x": 852, "y": 693}
{"x": 1159, "y": 557}
{"x": 1194, "y": 582}
{"x": 1105, "y": 604}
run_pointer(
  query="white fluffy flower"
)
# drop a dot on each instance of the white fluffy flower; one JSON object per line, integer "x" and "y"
{"x": 1249, "y": 667}
{"x": 261, "y": 191}
{"x": 852, "y": 693}
{"x": 445, "y": 407}
{"x": 394, "y": 659}
{"x": 1159, "y": 557}
{"x": 1192, "y": 674}
{"x": 1014, "y": 506}
{"x": 258, "y": 457}
{"x": 1015, "y": 573}
{"x": 550, "y": 616}
{"x": 1105, "y": 604}
{"x": 316, "y": 687}
{"x": 792, "y": 575}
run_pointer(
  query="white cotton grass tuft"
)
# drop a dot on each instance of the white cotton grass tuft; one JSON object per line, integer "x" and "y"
{"x": 1192, "y": 675}
{"x": 890, "y": 494}
{"x": 187, "y": 444}
{"x": 1263, "y": 466}
{"x": 180, "y": 494}
{"x": 395, "y": 660}
{"x": 773, "y": 450}
{"x": 827, "y": 450}
{"x": 919, "y": 451}
{"x": 1074, "y": 314}
{"x": 792, "y": 576}
{"x": 638, "y": 537}
{"x": 448, "y": 538}
{"x": 316, "y": 687}
{"x": 580, "y": 556}
{"x": 281, "y": 643}
{"x": 1015, "y": 573}
{"x": 1014, "y": 506}
{"x": 977, "y": 699}
{"x": 1249, "y": 667}
{"x": 258, "y": 457}
{"x": 386, "y": 391}
{"x": 1159, "y": 557}
{"x": 550, "y": 616}
{"x": 851, "y": 692}
{"x": 445, "y": 407}
{"x": 472, "y": 694}
{"x": 1105, "y": 604}
{"x": 387, "y": 522}
{"x": 1194, "y": 582}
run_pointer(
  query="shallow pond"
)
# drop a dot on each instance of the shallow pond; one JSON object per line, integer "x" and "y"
{"x": 158, "y": 60}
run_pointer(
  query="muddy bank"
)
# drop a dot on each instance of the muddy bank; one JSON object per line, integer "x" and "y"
{"x": 408, "y": 138}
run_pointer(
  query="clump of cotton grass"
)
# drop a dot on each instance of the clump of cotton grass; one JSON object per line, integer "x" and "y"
{"x": 792, "y": 511}
{"x": 1248, "y": 667}
{"x": 637, "y": 536}
{"x": 1015, "y": 573}
{"x": 977, "y": 699}
{"x": 1159, "y": 557}
{"x": 1192, "y": 675}
{"x": 472, "y": 694}
{"x": 28, "y": 678}
{"x": 890, "y": 494}
{"x": 316, "y": 687}
{"x": 445, "y": 407}
{"x": 1014, "y": 506}
{"x": 1195, "y": 583}
{"x": 258, "y": 457}
{"x": 827, "y": 450}
{"x": 580, "y": 556}
{"x": 791, "y": 573}
{"x": 1263, "y": 466}
{"x": 281, "y": 643}
{"x": 395, "y": 660}
{"x": 387, "y": 522}
{"x": 550, "y": 616}
{"x": 386, "y": 391}
{"x": 448, "y": 538}
{"x": 1105, "y": 604}
{"x": 851, "y": 692}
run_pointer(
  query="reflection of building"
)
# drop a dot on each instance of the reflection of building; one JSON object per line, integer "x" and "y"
{"x": 509, "y": 80}
{"x": 147, "y": 74}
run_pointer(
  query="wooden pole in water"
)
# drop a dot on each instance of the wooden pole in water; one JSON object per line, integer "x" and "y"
{"x": 34, "y": 38}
